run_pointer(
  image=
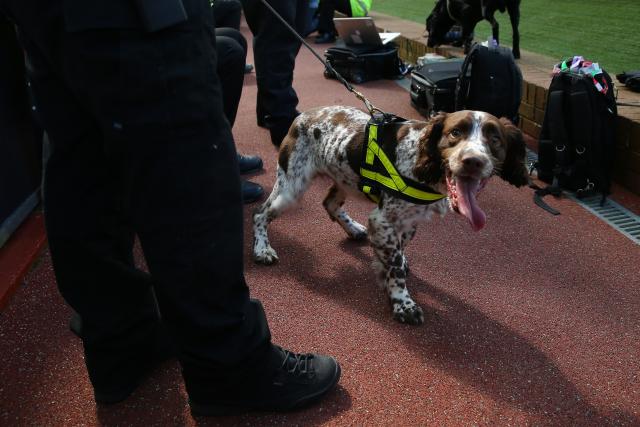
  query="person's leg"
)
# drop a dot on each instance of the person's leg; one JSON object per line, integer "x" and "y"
{"x": 344, "y": 7}
{"x": 326, "y": 9}
{"x": 230, "y": 69}
{"x": 227, "y": 13}
{"x": 274, "y": 50}
{"x": 235, "y": 35}
{"x": 91, "y": 243}
{"x": 311, "y": 21}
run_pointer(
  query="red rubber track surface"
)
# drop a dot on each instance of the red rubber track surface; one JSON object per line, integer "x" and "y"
{"x": 533, "y": 320}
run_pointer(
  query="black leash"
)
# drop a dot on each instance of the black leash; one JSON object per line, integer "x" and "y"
{"x": 372, "y": 109}
{"x": 540, "y": 192}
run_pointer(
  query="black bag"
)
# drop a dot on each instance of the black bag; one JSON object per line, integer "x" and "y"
{"x": 433, "y": 86}
{"x": 490, "y": 81}
{"x": 576, "y": 145}
{"x": 630, "y": 79}
{"x": 363, "y": 64}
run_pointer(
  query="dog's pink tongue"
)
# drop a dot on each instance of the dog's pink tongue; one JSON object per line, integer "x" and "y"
{"x": 467, "y": 204}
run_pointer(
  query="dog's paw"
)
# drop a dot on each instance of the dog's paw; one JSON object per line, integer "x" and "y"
{"x": 357, "y": 232}
{"x": 408, "y": 312}
{"x": 266, "y": 256}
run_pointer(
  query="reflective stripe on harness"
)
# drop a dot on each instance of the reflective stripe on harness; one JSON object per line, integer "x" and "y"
{"x": 384, "y": 176}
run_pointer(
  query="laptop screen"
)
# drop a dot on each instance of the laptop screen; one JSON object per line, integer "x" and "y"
{"x": 361, "y": 32}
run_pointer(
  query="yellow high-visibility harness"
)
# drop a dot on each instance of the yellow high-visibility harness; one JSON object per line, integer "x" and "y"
{"x": 381, "y": 175}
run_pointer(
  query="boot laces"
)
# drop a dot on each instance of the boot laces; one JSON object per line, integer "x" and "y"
{"x": 296, "y": 363}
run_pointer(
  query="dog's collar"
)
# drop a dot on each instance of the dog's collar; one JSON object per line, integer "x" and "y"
{"x": 378, "y": 173}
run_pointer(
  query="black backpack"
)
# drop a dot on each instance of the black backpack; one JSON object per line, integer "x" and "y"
{"x": 576, "y": 145}
{"x": 433, "y": 86}
{"x": 490, "y": 81}
{"x": 630, "y": 79}
{"x": 363, "y": 64}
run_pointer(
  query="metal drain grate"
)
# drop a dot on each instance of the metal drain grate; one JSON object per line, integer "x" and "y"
{"x": 623, "y": 220}
{"x": 618, "y": 217}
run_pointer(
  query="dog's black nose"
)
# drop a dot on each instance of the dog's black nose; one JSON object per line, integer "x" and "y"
{"x": 472, "y": 164}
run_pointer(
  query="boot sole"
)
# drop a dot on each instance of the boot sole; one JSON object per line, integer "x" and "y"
{"x": 222, "y": 409}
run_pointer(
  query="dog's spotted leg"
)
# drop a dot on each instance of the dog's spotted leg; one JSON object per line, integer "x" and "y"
{"x": 280, "y": 198}
{"x": 333, "y": 204}
{"x": 405, "y": 238}
{"x": 391, "y": 267}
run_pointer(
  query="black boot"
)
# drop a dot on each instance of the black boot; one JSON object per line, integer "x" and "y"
{"x": 249, "y": 164}
{"x": 251, "y": 192}
{"x": 297, "y": 380}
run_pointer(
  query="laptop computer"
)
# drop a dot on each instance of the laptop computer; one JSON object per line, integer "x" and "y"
{"x": 359, "y": 32}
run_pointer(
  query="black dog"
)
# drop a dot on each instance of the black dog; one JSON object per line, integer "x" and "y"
{"x": 468, "y": 13}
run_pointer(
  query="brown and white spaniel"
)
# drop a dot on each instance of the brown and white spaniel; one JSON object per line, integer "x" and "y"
{"x": 455, "y": 154}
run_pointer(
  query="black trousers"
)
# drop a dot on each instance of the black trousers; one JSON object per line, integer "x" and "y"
{"x": 326, "y": 11}
{"x": 140, "y": 145}
{"x": 274, "y": 53}
{"x": 227, "y": 13}
{"x": 232, "y": 55}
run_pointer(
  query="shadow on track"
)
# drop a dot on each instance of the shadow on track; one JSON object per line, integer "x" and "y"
{"x": 456, "y": 338}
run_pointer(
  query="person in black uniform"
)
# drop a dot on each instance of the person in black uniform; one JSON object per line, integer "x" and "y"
{"x": 274, "y": 53}
{"x": 140, "y": 146}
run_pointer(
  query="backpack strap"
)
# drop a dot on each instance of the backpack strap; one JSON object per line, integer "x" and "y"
{"x": 517, "y": 86}
{"x": 463, "y": 85}
{"x": 539, "y": 193}
{"x": 557, "y": 129}
{"x": 582, "y": 135}
{"x": 561, "y": 141}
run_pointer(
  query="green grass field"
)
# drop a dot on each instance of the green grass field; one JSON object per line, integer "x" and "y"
{"x": 606, "y": 31}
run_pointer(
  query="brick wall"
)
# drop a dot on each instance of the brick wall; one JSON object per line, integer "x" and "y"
{"x": 627, "y": 157}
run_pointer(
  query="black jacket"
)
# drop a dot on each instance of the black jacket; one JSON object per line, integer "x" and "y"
{"x": 82, "y": 15}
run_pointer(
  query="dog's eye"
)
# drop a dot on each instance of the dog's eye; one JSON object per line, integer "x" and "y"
{"x": 455, "y": 133}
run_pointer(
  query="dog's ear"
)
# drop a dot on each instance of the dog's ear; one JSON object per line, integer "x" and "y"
{"x": 428, "y": 166}
{"x": 514, "y": 170}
